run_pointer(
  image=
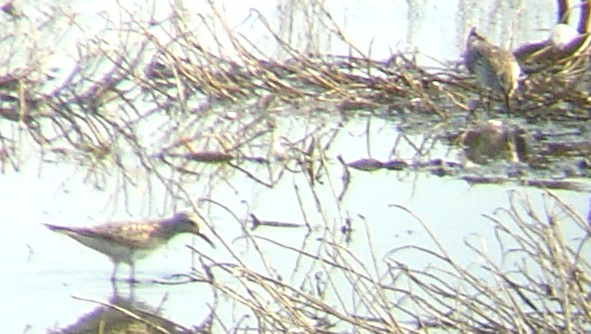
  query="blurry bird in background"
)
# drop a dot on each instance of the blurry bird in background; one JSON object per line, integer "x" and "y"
{"x": 495, "y": 68}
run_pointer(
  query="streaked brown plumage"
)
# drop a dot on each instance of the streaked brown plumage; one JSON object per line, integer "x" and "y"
{"x": 129, "y": 241}
{"x": 494, "y": 68}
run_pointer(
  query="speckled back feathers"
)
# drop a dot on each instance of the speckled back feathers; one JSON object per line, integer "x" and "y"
{"x": 494, "y": 67}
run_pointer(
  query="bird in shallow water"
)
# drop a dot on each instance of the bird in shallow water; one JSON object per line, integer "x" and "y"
{"x": 130, "y": 241}
{"x": 495, "y": 68}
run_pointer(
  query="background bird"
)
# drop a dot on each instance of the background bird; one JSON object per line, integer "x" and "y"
{"x": 130, "y": 241}
{"x": 495, "y": 68}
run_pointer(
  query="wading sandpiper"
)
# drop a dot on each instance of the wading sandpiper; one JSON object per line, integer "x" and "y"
{"x": 495, "y": 68}
{"x": 130, "y": 241}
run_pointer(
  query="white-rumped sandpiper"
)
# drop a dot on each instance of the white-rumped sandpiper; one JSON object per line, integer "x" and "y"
{"x": 126, "y": 242}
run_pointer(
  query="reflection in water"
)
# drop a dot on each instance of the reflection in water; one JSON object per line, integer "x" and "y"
{"x": 121, "y": 315}
{"x": 491, "y": 140}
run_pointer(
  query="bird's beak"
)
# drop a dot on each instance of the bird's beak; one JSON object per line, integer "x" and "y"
{"x": 202, "y": 236}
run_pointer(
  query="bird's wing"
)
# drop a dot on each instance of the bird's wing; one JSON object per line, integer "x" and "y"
{"x": 128, "y": 234}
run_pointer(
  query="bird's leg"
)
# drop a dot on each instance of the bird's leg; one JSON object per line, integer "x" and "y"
{"x": 471, "y": 115}
{"x": 507, "y": 103}
{"x": 489, "y": 103}
{"x": 485, "y": 101}
{"x": 114, "y": 274}
{"x": 131, "y": 273}
{"x": 114, "y": 286}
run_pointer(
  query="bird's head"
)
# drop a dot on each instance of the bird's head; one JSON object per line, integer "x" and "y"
{"x": 474, "y": 37}
{"x": 190, "y": 222}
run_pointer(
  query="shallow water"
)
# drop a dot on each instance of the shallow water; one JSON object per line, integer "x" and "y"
{"x": 45, "y": 271}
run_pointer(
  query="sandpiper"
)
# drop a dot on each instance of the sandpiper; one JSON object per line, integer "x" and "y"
{"x": 495, "y": 68}
{"x": 130, "y": 241}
